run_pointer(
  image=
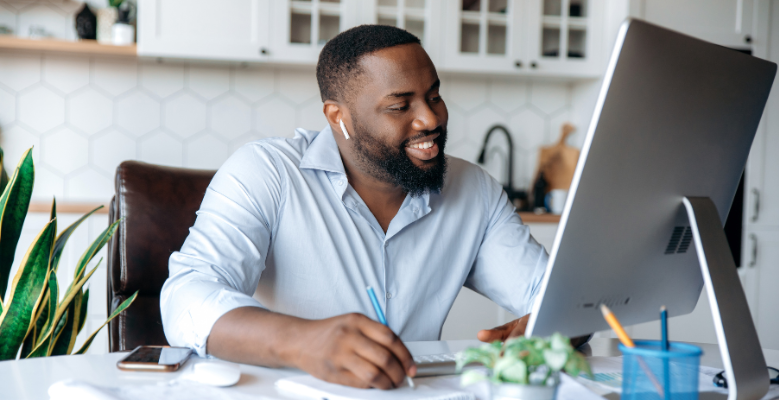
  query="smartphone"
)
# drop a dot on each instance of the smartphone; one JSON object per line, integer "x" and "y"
{"x": 155, "y": 358}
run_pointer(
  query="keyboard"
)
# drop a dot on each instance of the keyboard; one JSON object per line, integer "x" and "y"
{"x": 435, "y": 364}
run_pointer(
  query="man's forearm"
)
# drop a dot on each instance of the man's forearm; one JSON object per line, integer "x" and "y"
{"x": 252, "y": 335}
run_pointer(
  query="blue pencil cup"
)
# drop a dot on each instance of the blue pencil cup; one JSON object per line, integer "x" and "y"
{"x": 651, "y": 373}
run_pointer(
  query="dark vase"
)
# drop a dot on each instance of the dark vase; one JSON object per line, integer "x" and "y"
{"x": 86, "y": 23}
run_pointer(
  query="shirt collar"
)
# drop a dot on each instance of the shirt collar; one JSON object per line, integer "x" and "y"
{"x": 323, "y": 153}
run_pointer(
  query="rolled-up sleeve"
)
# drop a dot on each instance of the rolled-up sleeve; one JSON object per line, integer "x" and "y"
{"x": 220, "y": 263}
{"x": 510, "y": 263}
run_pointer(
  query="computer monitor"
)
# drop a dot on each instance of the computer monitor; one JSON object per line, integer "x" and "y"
{"x": 675, "y": 120}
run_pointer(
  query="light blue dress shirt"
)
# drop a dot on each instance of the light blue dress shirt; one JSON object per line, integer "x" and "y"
{"x": 280, "y": 221}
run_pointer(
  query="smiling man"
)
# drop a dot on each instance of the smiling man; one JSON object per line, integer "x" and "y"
{"x": 371, "y": 200}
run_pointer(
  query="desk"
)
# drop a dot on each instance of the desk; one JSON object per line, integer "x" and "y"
{"x": 30, "y": 379}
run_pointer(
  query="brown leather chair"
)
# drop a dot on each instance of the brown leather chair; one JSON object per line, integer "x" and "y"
{"x": 158, "y": 206}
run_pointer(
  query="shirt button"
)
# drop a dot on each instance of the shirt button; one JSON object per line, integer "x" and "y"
{"x": 341, "y": 183}
{"x": 416, "y": 210}
{"x": 389, "y": 295}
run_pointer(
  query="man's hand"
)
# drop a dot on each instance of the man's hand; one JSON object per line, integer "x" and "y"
{"x": 354, "y": 350}
{"x": 517, "y": 328}
{"x": 509, "y": 330}
{"x": 347, "y": 349}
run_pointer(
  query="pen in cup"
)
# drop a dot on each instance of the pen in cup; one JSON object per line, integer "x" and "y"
{"x": 626, "y": 340}
{"x": 381, "y": 317}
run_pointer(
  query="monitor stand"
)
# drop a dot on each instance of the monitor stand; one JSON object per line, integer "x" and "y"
{"x": 740, "y": 349}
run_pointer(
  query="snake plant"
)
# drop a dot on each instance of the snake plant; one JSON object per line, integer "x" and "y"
{"x": 38, "y": 318}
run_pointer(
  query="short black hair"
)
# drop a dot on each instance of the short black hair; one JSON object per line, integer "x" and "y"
{"x": 339, "y": 59}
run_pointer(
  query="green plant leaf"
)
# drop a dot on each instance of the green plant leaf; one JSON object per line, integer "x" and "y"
{"x": 3, "y": 173}
{"x": 43, "y": 347}
{"x": 83, "y": 311}
{"x": 25, "y": 294}
{"x": 471, "y": 377}
{"x": 560, "y": 342}
{"x": 42, "y": 342}
{"x": 40, "y": 319}
{"x": 93, "y": 248}
{"x": 66, "y": 339}
{"x": 485, "y": 355}
{"x": 62, "y": 239}
{"x": 14, "y": 203}
{"x": 51, "y": 304}
{"x": 555, "y": 359}
{"x": 583, "y": 365}
{"x": 62, "y": 309}
{"x": 73, "y": 290}
{"x": 512, "y": 370}
{"x": 113, "y": 315}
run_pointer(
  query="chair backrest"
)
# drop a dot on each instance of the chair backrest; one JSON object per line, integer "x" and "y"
{"x": 157, "y": 206}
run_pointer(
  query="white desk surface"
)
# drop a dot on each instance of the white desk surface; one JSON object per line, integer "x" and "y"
{"x": 30, "y": 379}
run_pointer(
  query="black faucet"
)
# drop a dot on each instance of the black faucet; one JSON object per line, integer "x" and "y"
{"x": 510, "y": 191}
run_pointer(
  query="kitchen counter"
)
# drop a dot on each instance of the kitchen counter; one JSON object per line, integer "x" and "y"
{"x": 532, "y": 218}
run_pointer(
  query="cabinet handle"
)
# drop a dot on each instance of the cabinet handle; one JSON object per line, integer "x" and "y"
{"x": 748, "y": 39}
{"x": 533, "y": 64}
{"x": 264, "y": 51}
{"x": 754, "y": 256}
{"x": 519, "y": 64}
{"x": 756, "y": 204}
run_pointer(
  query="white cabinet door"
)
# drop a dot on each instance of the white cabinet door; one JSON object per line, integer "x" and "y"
{"x": 725, "y": 22}
{"x": 564, "y": 37}
{"x": 484, "y": 36}
{"x": 203, "y": 29}
{"x": 761, "y": 271}
{"x": 299, "y": 29}
{"x": 422, "y": 18}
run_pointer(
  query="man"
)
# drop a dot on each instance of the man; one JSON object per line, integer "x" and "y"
{"x": 371, "y": 200}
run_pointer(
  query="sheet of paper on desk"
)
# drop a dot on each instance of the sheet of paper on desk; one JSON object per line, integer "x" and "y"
{"x": 174, "y": 390}
{"x": 440, "y": 388}
{"x": 307, "y": 386}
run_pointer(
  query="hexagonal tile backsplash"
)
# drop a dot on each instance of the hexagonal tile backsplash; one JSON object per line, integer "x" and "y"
{"x": 85, "y": 115}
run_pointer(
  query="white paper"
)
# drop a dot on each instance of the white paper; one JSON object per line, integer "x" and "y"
{"x": 174, "y": 390}
{"x": 440, "y": 387}
{"x": 427, "y": 389}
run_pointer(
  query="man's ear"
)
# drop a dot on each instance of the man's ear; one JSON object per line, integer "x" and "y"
{"x": 333, "y": 114}
{"x": 337, "y": 117}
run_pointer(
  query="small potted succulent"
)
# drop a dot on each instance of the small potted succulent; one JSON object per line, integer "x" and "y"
{"x": 523, "y": 368}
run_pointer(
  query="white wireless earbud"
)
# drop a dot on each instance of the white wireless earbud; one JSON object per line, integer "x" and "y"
{"x": 344, "y": 129}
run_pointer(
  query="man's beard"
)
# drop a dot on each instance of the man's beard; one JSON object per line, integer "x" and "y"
{"x": 392, "y": 165}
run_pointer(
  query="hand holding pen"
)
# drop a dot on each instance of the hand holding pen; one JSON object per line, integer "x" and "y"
{"x": 381, "y": 317}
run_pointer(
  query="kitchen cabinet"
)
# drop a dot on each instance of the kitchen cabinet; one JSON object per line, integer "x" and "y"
{"x": 281, "y": 31}
{"x": 299, "y": 28}
{"x": 561, "y": 38}
{"x": 420, "y": 17}
{"x": 524, "y": 37}
{"x": 203, "y": 29}
{"x": 725, "y": 22}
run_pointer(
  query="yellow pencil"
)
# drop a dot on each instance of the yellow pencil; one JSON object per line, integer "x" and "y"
{"x": 615, "y": 325}
{"x": 626, "y": 340}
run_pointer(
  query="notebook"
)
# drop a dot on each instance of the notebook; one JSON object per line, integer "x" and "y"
{"x": 307, "y": 386}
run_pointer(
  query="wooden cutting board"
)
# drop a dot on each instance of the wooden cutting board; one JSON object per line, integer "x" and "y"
{"x": 558, "y": 161}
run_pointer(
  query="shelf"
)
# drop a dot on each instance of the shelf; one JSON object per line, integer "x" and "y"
{"x": 67, "y": 207}
{"x": 90, "y": 47}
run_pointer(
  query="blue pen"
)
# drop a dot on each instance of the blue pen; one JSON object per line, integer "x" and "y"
{"x": 381, "y": 317}
{"x": 664, "y": 330}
